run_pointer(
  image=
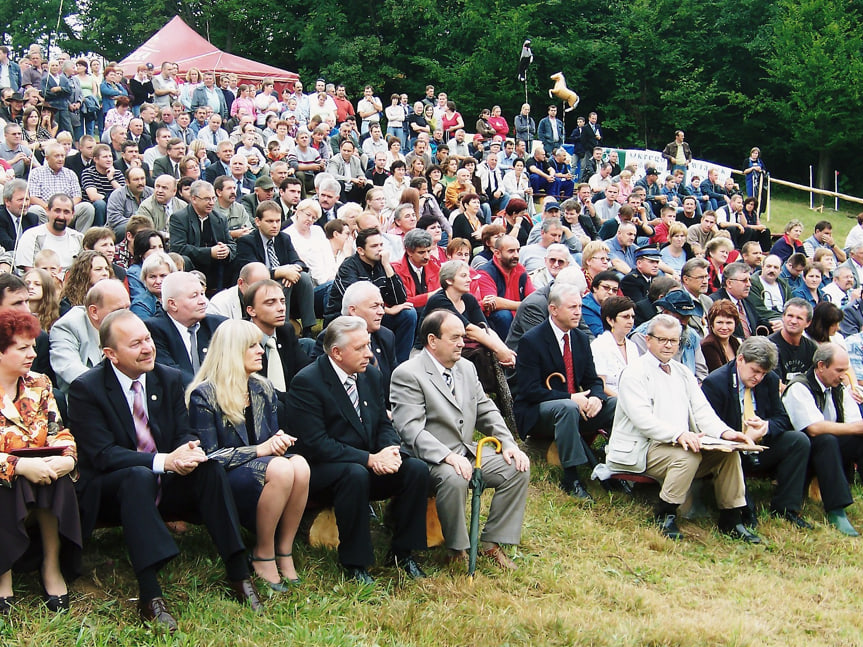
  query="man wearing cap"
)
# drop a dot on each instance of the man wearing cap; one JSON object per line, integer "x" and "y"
{"x": 264, "y": 190}
{"x": 659, "y": 422}
{"x": 550, "y": 131}
{"x": 681, "y": 307}
{"x": 635, "y": 284}
{"x": 12, "y": 109}
{"x": 655, "y": 197}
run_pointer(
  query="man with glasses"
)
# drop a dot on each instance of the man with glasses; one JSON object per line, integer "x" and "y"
{"x": 695, "y": 280}
{"x": 200, "y": 234}
{"x": 662, "y": 423}
{"x": 13, "y": 151}
{"x": 556, "y": 258}
{"x": 736, "y": 286}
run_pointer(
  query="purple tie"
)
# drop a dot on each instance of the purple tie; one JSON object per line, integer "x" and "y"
{"x": 146, "y": 444}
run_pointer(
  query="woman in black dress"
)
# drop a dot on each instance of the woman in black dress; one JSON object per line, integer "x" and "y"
{"x": 232, "y": 409}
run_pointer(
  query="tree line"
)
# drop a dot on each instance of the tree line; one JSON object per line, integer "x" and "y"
{"x": 784, "y": 76}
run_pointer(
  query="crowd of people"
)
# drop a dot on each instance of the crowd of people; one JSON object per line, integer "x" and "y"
{"x": 224, "y": 303}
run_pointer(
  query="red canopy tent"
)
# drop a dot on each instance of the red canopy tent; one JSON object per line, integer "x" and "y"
{"x": 181, "y": 44}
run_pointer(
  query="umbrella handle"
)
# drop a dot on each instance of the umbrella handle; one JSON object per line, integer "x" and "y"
{"x": 487, "y": 439}
{"x": 557, "y": 375}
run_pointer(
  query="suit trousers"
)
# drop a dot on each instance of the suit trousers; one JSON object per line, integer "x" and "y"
{"x": 129, "y": 496}
{"x": 350, "y": 486}
{"x": 300, "y": 299}
{"x": 828, "y": 456}
{"x": 507, "y": 506}
{"x": 562, "y": 421}
{"x": 676, "y": 468}
{"x": 787, "y": 457}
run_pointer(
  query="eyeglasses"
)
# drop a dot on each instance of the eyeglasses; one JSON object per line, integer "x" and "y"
{"x": 607, "y": 287}
{"x": 700, "y": 277}
{"x": 604, "y": 259}
{"x": 744, "y": 281}
{"x": 666, "y": 341}
{"x": 557, "y": 261}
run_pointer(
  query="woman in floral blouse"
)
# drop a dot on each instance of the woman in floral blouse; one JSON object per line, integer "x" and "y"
{"x": 34, "y": 487}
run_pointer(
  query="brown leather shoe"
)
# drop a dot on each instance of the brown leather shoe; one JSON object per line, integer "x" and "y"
{"x": 156, "y": 611}
{"x": 500, "y": 559}
{"x": 456, "y": 557}
{"x": 244, "y": 591}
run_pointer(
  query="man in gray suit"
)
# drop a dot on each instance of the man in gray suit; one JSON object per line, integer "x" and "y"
{"x": 75, "y": 336}
{"x": 348, "y": 170}
{"x": 437, "y": 403}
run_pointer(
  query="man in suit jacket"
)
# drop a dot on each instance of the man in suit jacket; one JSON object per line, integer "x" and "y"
{"x": 164, "y": 203}
{"x": 207, "y": 94}
{"x": 182, "y": 330}
{"x": 222, "y": 165}
{"x": 139, "y": 461}
{"x": 201, "y": 234}
{"x": 138, "y": 134}
{"x": 347, "y": 168}
{"x": 635, "y": 284}
{"x": 75, "y": 336}
{"x": 660, "y": 419}
{"x": 269, "y": 245}
{"x": 338, "y": 408}
{"x": 573, "y": 405}
{"x": 283, "y": 358}
{"x": 438, "y": 402}
{"x": 13, "y": 218}
{"x": 750, "y": 376}
{"x": 170, "y": 163}
{"x": 591, "y": 136}
{"x": 736, "y": 285}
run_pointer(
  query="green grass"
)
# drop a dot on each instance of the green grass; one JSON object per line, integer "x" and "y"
{"x": 598, "y": 576}
{"x": 587, "y": 576}
{"x": 788, "y": 203}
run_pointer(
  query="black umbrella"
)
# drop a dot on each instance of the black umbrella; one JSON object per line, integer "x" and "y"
{"x": 477, "y": 484}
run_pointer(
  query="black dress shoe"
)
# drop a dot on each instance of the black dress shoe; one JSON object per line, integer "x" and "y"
{"x": 56, "y": 603}
{"x": 156, "y": 611}
{"x": 408, "y": 565}
{"x": 741, "y": 532}
{"x": 6, "y": 605}
{"x": 359, "y": 574}
{"x": 577, "y": 490}
{"x": 792, "y": 517}
{"x": 668, "y": 526}
{"x": 244, "y": 591}
{"x": 748, "y": 517}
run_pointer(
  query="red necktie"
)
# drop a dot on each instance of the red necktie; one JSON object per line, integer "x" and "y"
{"x": 744, "y": 322}
{"x": 665, "y": 369}
{"x": 567, "y": 362}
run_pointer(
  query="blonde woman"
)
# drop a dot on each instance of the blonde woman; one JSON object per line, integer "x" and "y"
{"x": 187, "y": 89}
{"x": 232, "y": 409}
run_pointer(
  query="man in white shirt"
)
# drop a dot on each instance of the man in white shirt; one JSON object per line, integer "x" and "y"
{"x": 818, "y": 404}
{"x": 369, "y": 109}
{"x": 662, "y": 423}
{"x": 163, "y": 136}
{"x": 54, "y": 234}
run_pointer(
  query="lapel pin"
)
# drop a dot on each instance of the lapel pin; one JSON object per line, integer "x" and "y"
{"x": 205, "y": 349}
{"x": 153, "y": 397}
{"x": 365, "y": 404}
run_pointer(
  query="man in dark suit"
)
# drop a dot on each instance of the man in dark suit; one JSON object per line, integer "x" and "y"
{"x": 139, "y": 134}
{"x": 575, "y": 403}
{"x": 222, "y": 165}
{"x": 170, "y": 163}
{"x": 14, "y": 220}
{"x": 736, "y": 286}
{"x": 138, "y": 462}
{"x": 338, "y": 408}
{"x": 591, "y": 136}
{"x": 745, "y": 395}
{"x": 363, "y": 299}
{"x": 201, "y": 234}
{"x": 182, "y": 330}
{"x": 635, "y": 284}
{"x": 272, "y": 247}
{"x": 283, "y": 358}
{"x": 328, "y": 197}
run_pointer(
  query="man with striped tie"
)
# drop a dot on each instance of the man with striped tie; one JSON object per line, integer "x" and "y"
{"x": 337, "y": 406}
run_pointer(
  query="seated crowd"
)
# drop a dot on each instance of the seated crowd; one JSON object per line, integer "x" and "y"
{"x": 151, "y": 369}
